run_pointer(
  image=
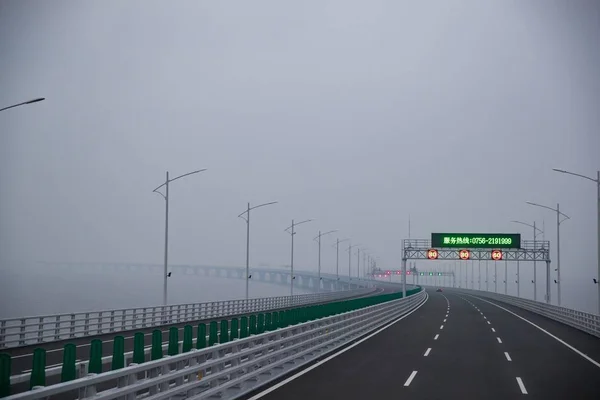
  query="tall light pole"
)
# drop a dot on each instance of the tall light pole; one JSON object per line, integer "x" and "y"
{"x": 24, "y": 103}
{"x": 536, "y": 232}
{"x": 337, "y": 260}
{"x": 318, "y": 239}
{"x": 350, "y": 247}
{"x": 166, "y": 197}
{"x": 597, "y": 181}
{"x": 247, "y": 219}
{"x": 558, "y": 222}
{"x": 292, "y": 232}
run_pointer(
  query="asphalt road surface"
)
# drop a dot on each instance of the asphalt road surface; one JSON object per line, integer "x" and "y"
{"x": 456, "y": 346}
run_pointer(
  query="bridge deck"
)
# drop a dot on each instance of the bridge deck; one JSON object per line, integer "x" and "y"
{"x": 478, "y": 354}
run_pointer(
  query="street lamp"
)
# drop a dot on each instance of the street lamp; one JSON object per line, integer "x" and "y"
{"x": 337, "y": 259}
{"x": 597, "y": 181}
{"x": 536, "y": 231}
{"x": 24, "y": 103}
{"x": 350, "y": 247}
{"x": 558, "y": 222}
{"x": 166, "y": 197}
{"x": 358, "y": 260}
{"x": 318, "y": 239}
{"x": 292, "y": 232}
{"x": 247, "y": 219}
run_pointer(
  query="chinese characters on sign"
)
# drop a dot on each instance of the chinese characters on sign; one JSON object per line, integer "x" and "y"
{"x": 476, "y": 240}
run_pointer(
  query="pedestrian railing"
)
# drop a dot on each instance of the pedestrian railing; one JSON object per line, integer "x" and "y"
{"x": 24, "y": 331}
{"x": 581, "y": 320}
{"x": 240, "y": 363}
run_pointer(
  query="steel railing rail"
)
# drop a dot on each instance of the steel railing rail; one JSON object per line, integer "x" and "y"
{"x": 581, "y": 320}
{"x": 15, "y": 332}
{"x": 232, "y": 369}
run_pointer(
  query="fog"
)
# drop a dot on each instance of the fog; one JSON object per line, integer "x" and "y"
{"x": 357, "y": 114}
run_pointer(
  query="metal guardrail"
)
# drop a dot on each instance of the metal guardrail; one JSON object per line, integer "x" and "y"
{"x": 581, "y": 320}
{"x": 232, "y": 369}
{"x": 24, "y": 331}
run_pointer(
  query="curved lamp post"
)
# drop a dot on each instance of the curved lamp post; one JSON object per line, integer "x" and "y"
{"x": 318, "y": 240}
{"x": 597, "y": 181}
{"x": 24, "y": 103}
{"x": 166, "y": 197}
{"x": 247, "y": 219}
{"x": 536, "y": 231}
{"x": 292, "y": 232}
{"x": 558, "y": 222}
{"x": 337, "y": 260}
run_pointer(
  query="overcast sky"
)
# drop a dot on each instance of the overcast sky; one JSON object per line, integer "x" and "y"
{"x": 354, "y": 113}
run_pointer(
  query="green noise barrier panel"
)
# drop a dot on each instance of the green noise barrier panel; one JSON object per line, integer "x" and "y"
{"x": 5, "y": 371}
{"x": 118, "y": 358}
{"x": 138, "y": 348}
{"x": 69, "y": 370}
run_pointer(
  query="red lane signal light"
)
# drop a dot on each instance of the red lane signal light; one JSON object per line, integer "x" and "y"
{"x": 496, "y": 255}
{"x": 432, "y": 254}
{"x": 464, "y": 254}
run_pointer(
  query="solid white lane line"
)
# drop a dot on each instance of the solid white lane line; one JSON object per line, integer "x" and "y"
{"x": 427, "y": 352}
{"x": 499, "y": 340}
{"x": 410, "y": 378}
{"x": 521, "y": 385}
{"x": 323, "y": 361}
{"x": 596, "y": 363}
{"x": 489, "y": 323}
{"x": 442, "y": 327}
{"x": 493, "y": 330}
{"x": 507, "y": 356}
{"x": 436, "y": 337}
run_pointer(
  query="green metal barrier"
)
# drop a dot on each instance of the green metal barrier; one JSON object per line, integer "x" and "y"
{"x": 173, "y": 348}
{"x": 95, "y": 364}
{"x": 234, "y": 329}
{"x": 138, "y": 348}
{"x": 224, "y": 331}
{"x": 69, "y": 370}
{"x": 201, "y": 338}
{"x": 118, "y": 358}
{"x": 213, "y": 336}
{"x": 5, "y": 371}
{"x": 243, "y": 327}
{"x": 38, "y": 370}
{"x": 156, "y": 352}
{"x": 252, "y": 324}
{"x": 188, "y": 340}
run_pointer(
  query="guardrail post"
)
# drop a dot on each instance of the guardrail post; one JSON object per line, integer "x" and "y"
{"x": 252, "y": 325}
{"x": 156, "y": 353}
{"x": 38, "y": 370}
{"x": 138, "y": 348}
{"x": 40, "y": 330}
{"x": 224, "y": 332}
{"x": 234, "y": 329}
{"x": 95, "y": 365}
{"x": 118, "y": 358}
{"x": 201, "y": 339}
{"x": 68, "y": 371}
{"x": 5, "y": 371}
{"x": 22, "y": 332}
{"x": 243, "y": 327}
{"x": 187, "y": 339}
{"x": 86, "y": 325}
{"x": 212, "y": 336}
{"x": 173, "y": 348}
